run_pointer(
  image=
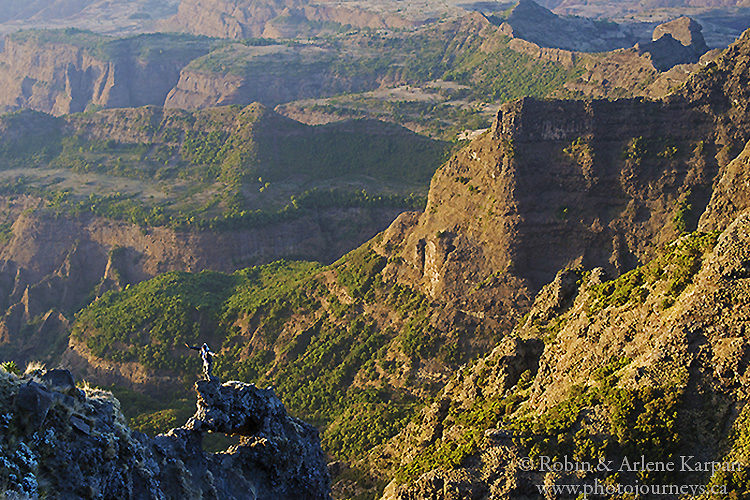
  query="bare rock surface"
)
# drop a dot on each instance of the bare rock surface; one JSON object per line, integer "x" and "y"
{"x": 66, "y": 442}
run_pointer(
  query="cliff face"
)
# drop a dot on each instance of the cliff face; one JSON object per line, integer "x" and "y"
{"x": 598, "y": 181}
{"x": 268, "y": 74}
{"x": 61, "y": 77}
{"x": 54, "y": 265}
{"x": 652, "y": 363}
{"x": 60, "y": 440}
{"x": 245, "y": 19}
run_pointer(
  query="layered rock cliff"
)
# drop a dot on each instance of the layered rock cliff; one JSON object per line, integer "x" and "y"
{"x": 66, "y": 71}
{"x": 611, "y": 173}
{"x": 268, "y": 74}
{"x": 60, "y": 440}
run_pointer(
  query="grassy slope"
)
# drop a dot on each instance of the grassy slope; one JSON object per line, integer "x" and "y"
{"x": 217, "y": 168}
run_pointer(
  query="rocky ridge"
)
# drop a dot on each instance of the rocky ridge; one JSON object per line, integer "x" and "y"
{"x": 254, "y": 19}
{"x": 58, "y": 439}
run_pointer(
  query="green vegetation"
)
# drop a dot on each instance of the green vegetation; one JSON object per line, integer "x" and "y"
{"x": 673, "y": 270}
{"x": 151, "y": 322}
{"x": 450, "y": 454}
{"x": 737, "y": 446}
{"x": 6, "y": 232}
{"x": 10, "y": 367}
{"x": 642, "y": 421}
{"x": 146, "y": 47}
{"x": 438, "y": 118}
{"x": 231, "y": 158}
{"x": 148, "y": 414}
{"x": 271, "y": 327}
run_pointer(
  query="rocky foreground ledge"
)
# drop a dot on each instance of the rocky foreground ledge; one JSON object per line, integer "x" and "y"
{"x": 59, "y": 441}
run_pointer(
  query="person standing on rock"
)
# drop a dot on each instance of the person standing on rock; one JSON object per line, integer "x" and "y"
{"x": 207, "y": 357}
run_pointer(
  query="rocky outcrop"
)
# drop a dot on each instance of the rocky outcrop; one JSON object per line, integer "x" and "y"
{"x": 651, "y": 69}
{"x": 270, "y": 437}
{"x": 553, "y": 175}
{"x": 71, "y": 442}
{"x": 686, "y": 31}
{"x": 676, "y": 42}
{"x": 531, "y": 22}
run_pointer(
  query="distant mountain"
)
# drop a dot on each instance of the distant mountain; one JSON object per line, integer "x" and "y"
{"x": 41, "y": 9}
{"x": 638, "y": 5}
{"x": 530, "y": 21}
{"x": 104, "y": 16}
{"x": 277, "y": 18}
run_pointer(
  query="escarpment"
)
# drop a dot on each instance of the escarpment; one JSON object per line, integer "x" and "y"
{"x": 60, "y": 440}
{"x": 275, "y": 18}
{"x": 556, "y": 184}
{"x": 651, "y": 362}
{"x": 68, "y": 71}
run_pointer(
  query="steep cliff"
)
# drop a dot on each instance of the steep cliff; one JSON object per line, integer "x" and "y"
{"x": 612, "y": 173}
{"x": 271, "y": 74}
{"x": 245, "y": 19}
{"x": 66, "y": 71}
{"x": 63, "y": 441}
